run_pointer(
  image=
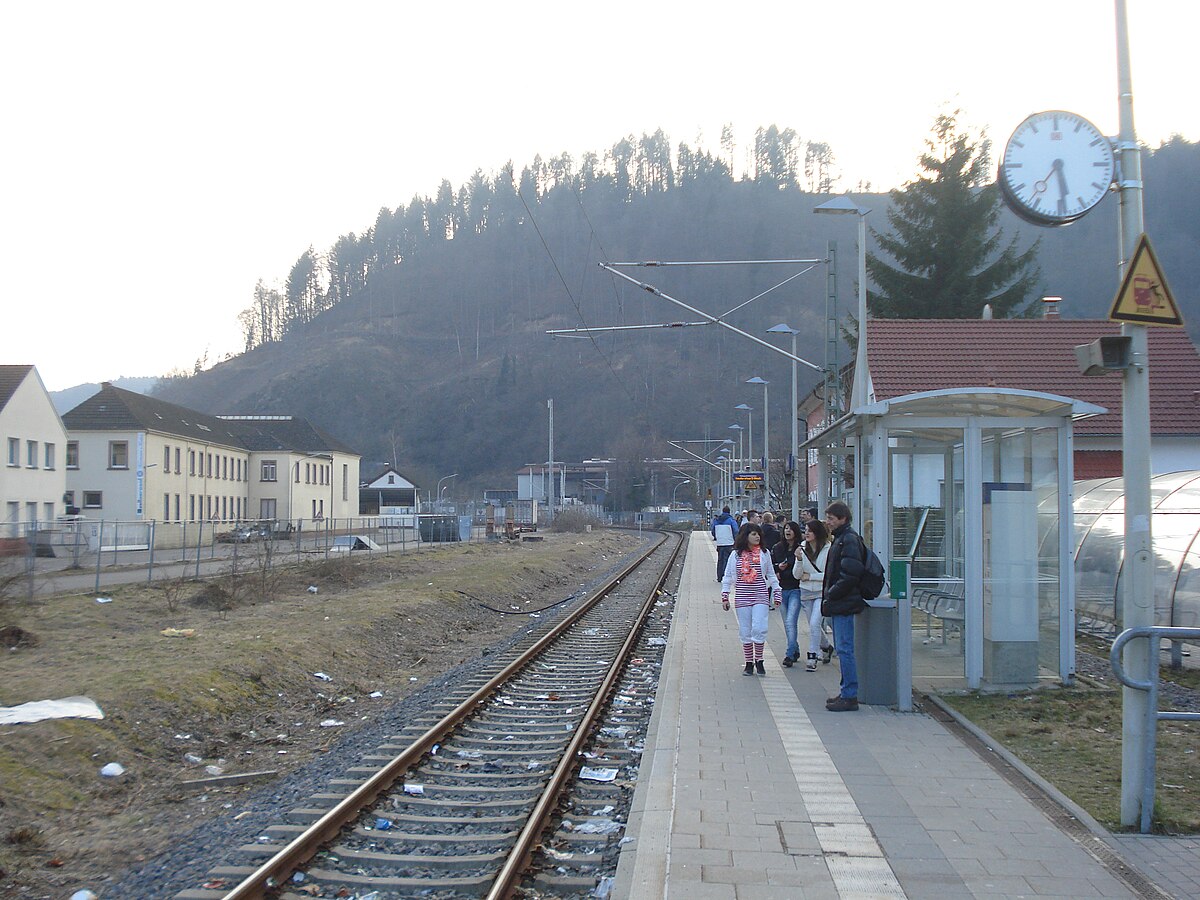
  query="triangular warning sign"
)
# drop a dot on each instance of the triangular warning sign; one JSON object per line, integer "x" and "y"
{"x": 1144, "y": 296}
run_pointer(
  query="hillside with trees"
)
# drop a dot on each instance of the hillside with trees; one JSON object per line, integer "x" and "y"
{"x": 422, "y": 340}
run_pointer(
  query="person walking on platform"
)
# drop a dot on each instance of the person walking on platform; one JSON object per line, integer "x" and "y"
{"x": 751, "y": 576}
{"x": 811, "y": 562}
{"x": 843, "y": 599}
{"x": 783, "y": 556}
{"x": 724, "y": 530}
{"x": 770, "y": 532}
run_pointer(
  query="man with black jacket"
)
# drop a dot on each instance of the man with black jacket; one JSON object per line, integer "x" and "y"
{"x": 842, "y": 599}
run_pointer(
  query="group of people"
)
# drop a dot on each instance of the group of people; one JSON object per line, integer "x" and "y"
{"x": 809, "y": 568}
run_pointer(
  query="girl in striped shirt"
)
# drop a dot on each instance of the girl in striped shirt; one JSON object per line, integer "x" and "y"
{"x": 751, "y": 575}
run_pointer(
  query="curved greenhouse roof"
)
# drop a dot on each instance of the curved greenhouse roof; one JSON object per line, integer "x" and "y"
{"x": 1098, "y": 549}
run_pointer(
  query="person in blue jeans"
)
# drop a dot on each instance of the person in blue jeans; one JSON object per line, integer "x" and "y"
{"x": 783, "y": 556}
{"x": 843, "y": 599}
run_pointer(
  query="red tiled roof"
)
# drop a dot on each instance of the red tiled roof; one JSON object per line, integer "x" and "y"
{"x": 906, "y": 356}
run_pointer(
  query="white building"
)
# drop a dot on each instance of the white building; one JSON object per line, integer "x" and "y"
{"x": 33, "y": 478}
{"x": 134, "y": 458}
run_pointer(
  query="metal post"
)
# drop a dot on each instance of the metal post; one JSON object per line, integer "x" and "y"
{"x": 1138, "y": 597}
{"x": 550, "y": 465}
{"x": 795, "y": 437}
{"x": 99, "y": 552}
{"x": 199, "y": 541}
{"x": 859, "y": 394}
{"x": 150, "y": 570}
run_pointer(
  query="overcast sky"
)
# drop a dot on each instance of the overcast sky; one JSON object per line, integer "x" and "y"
{"x": 160, "y": 158}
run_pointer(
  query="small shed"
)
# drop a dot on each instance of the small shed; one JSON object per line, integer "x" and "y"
{"x": 383, "y": 488}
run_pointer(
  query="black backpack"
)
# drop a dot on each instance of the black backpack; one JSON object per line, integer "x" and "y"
{"x": 871, "y": 583}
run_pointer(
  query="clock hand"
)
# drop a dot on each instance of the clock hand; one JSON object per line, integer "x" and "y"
{"x": 1062, "y": 179}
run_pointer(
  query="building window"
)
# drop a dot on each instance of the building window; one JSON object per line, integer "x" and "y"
{"x": 191, "y": 507}
{"x": 191, "y": 462}
{"x": 72, "y": 454}
{"x": 268, "y": 470}
{"x": 166, "y": 507}
{"x": 31, "y": 456}
{"x": 93, "y": 500}
{"x": 166, "y": 458}
{"x": 48, "y": 512}
{"x": 240, "y": 471}
{"x": 297, "y": 473}
{"x": 14, "y": 452}
{"x": 69, "y": 500}
{"x": 176, "y": 507}
{"x": 208, "y": 466}
{"x": 345, "y": 481}
{"x": 177, "y": 469}
{"x": 118, "y": 454}
{"x": 266, "y": 508}
{"x": 49, "y": 454}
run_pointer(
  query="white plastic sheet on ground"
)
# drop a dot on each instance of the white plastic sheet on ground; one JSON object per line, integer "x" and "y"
{"x": 38, "y": 710}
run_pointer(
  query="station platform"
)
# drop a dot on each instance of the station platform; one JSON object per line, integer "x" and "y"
{"x": 750, "y": 788}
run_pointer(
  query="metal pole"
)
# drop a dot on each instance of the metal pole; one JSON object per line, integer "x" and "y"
{"x": 766, "y": 452}
{"x": 550, "y": 465}
{"x": 99, "y": 552}
{"x": 795, "y": 437}
{"x": 860, "y": 359}
{"x": 150, "y": 570}
{"x": 1138, "y": 596}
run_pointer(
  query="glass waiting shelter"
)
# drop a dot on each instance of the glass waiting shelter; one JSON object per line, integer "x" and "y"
{"x": 971, "y": 490}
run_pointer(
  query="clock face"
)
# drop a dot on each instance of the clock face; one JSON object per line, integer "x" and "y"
{"x": 1056, "y": 167}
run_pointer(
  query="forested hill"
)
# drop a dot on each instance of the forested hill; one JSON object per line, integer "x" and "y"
{"x": 423, "y": 340}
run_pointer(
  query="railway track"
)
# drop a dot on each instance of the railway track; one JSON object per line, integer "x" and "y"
{"x": 517, "y": 781}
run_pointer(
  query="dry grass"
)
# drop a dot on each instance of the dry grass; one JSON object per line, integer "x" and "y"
{"x": 1072, "y": 738}
{"x": 240, "y": 689}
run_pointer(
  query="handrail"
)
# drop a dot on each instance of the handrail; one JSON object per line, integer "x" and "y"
{"x": 1153, "y": 716}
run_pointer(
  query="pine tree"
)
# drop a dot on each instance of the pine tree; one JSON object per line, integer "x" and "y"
{"x": 945, "y": 240}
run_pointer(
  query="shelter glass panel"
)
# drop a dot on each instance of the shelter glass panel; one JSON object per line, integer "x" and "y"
{"x": 1021, "y": 583}
{"x": 927, "y": 517}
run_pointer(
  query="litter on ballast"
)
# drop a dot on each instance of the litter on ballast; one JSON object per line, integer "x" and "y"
{"x": 598, "y": 826}
{"x": 192, "y": 758}
{"x": 104, "y": 599}
{"x": 656, "y": 642}
{"x": 592, "y": 773}
{"x": 112, "y": 770}
{"x": 178, "y": 632}
{"x": 84, "y": 895}
{"x": 375, "y": 694}
{"x": 321, "y": 676}
{"x": 558, "y": 854}
{"x": 312, "y": 588}
{"x": 331, "y": 723}
{"x": 416, "y": 790}
{"x": 383, "y": 824}
{"x": 469, "y": 754}
{"x": 625, "y": 840}
{"x": 603, "y": 888}
{"x": 617, "y": 731}
{"x": 214, "y": 770}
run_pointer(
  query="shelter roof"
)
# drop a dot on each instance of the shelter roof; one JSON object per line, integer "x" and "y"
{"x": 909, "y": 356}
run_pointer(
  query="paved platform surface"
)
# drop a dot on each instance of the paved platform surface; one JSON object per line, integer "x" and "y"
{"x": 751, "y": 789}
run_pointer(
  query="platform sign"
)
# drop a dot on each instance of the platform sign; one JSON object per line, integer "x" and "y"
{"x": 748, "y": 477}
{"x": 1144, "y": 297}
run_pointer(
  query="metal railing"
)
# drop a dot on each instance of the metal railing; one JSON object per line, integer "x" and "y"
{"x": 1155, "y": 634}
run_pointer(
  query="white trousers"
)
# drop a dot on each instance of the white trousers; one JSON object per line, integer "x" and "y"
{"x": 752, "y": 623}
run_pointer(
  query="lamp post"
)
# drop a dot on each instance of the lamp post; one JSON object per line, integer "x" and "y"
{"x": 845, "y": 206}
{"x": 766, "y": 457}
{"x": 782, "y": 328}
{"x": 739, "y": 430}
{"x": 438, "y": 493}
{"x": 750, "y": 425}
{"x": 676, "y": 489}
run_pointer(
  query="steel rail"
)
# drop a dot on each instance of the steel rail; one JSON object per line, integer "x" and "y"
{"x": 519, "y": 858}
{"x": 273, "y": 873}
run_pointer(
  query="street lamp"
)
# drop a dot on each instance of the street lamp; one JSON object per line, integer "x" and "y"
{"x": 844, "y": 206}
{"x": 766, "y": 457}
{"x": 749, "y": 422}
{"x": 676, "y": 488}
{"x": 438, "y": 493}
{"x": 739, "y": 430}
{"x": 783, "y": 328}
